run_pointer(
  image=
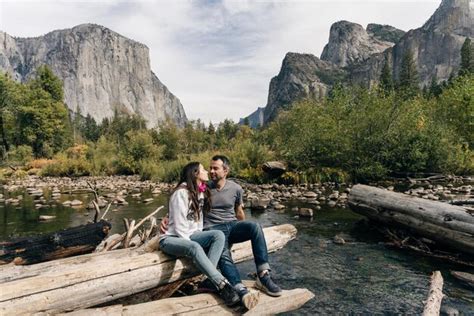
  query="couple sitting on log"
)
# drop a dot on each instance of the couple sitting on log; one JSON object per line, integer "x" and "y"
{"x": 210, "y": 219}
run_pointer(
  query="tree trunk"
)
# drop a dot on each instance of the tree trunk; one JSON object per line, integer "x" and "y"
{"x": 92, "y": 279}
{"x": 435, "y": 295}
{"x": 65, "y": 243}
{"x": 447, "y": 224}
{"x": 205, "y": 304}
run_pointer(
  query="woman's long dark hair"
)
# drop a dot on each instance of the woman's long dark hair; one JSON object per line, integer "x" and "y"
{"x": 189, "y": 177}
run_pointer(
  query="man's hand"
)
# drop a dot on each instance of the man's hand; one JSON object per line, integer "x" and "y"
{"x": 239, "y": 212}
{"x": 164, "y": 225}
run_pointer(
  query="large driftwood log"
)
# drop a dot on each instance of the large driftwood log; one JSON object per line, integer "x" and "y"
{"x": 447, "y": 224}
{"x": 205, "y": 304}
{"x": 89, "y": 280}
{"x": 435, "y": 295}
{"x": 64, "y": 243}
{"x": 467, "y": 278}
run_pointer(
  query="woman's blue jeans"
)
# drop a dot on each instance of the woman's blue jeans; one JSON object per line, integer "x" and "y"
{"x": 201, "y": 241}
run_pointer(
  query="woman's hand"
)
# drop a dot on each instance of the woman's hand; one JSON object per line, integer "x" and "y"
{"x": 164, "y": 225}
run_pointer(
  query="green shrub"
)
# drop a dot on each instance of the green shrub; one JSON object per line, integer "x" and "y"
{"x": 104, "y": 157}
{"x": 64, "y": 165}
{"x": 20, "y": 155}
{"x": 139, "y": 147}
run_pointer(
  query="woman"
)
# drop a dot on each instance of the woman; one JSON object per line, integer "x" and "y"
{"x": 185, "y": 236}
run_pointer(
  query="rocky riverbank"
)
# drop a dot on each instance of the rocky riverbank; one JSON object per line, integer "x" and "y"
{"x": 47, "y": 191}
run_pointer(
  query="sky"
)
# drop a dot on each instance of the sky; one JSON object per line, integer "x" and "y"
{"x": 217, "y": 57}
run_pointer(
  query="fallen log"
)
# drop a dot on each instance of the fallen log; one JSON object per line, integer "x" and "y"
{"x": 64, "y": 243}
{"x": 446, "y": 224}
{"x": 465, "y": 277}
{"x": 435, "y": 295}
{"x": 205, "y": 304}
{"x": 88, "y": 280}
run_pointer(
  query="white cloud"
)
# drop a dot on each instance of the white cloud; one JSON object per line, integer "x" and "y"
{"x": 217, "y": 57}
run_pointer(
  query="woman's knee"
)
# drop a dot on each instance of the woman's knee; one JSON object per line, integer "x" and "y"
{"x": 194, "y": 248}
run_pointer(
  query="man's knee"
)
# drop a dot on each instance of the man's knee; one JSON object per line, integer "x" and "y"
{"x": 256, "y": 228}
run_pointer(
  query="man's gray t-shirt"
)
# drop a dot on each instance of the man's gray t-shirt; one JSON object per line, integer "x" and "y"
{"x": 223, "y": 203}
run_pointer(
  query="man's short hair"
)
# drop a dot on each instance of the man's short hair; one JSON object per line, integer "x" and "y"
{"x": 224, "y": 159}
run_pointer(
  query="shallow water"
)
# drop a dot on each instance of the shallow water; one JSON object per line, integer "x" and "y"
{"x": 359, "y": 277}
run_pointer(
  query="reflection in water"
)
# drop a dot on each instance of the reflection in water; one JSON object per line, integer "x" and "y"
{"x": 359, "y": 277}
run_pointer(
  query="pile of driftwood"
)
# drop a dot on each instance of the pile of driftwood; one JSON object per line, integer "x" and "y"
{"x": 88, "y": 280}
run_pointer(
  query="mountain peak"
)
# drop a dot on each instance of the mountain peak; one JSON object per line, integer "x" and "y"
{"x": 350, "y": 43}
{"x": 453, "y": 16}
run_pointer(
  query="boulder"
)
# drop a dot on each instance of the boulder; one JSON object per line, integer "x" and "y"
{"x": 274, "y": 168}
{"x": 305, "y": 212}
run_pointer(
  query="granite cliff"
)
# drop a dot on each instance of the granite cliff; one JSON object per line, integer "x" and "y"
{"x": 356, "y": 55}
{"x": 102, "y": 72}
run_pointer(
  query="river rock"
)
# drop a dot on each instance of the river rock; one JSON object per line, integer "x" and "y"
{"x": 46, "y": 217}
{"x": 278, "y": 206}
{"x": 339, "y": 240}
{"x": 55, "y": 195}
{"x": 260, "y": 203}
{"x": 76, "y": 203}
{"x": 449, "y": 311}
{"x": 149, "y": 200}
{"x": 305, "y": 212}
{"x": 310, "y": 195}
{"x": 37, "y": 193}
{"x": 334, "y": 195}
{"x": 332, "y": 203}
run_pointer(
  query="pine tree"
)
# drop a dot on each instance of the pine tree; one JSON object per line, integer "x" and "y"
{"x": 90, "y": 130}
{"x": 46, "y": 80}
{"x": 408, "y": 83}
{"x": 435, "y": 89}
{"x": 4, "y": 102}
{"x": 467, "y": 61}
{"x": 386, "y": 80}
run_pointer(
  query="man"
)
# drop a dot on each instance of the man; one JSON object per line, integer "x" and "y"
{"x": 227, "y": 215}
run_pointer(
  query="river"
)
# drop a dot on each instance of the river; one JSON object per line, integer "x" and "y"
{"x": 360, "y": 277}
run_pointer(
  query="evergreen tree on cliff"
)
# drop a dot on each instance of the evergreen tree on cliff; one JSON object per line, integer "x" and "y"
{"x": 408, "y": 83}
{"x": 467, "y": 61}
{"x": 4, "y": 102}
{"x": 386, "y": 79}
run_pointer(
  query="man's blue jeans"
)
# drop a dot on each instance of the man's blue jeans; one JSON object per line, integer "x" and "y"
{"x": 212, "y": 241}
{"x": 236, "y": 232}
